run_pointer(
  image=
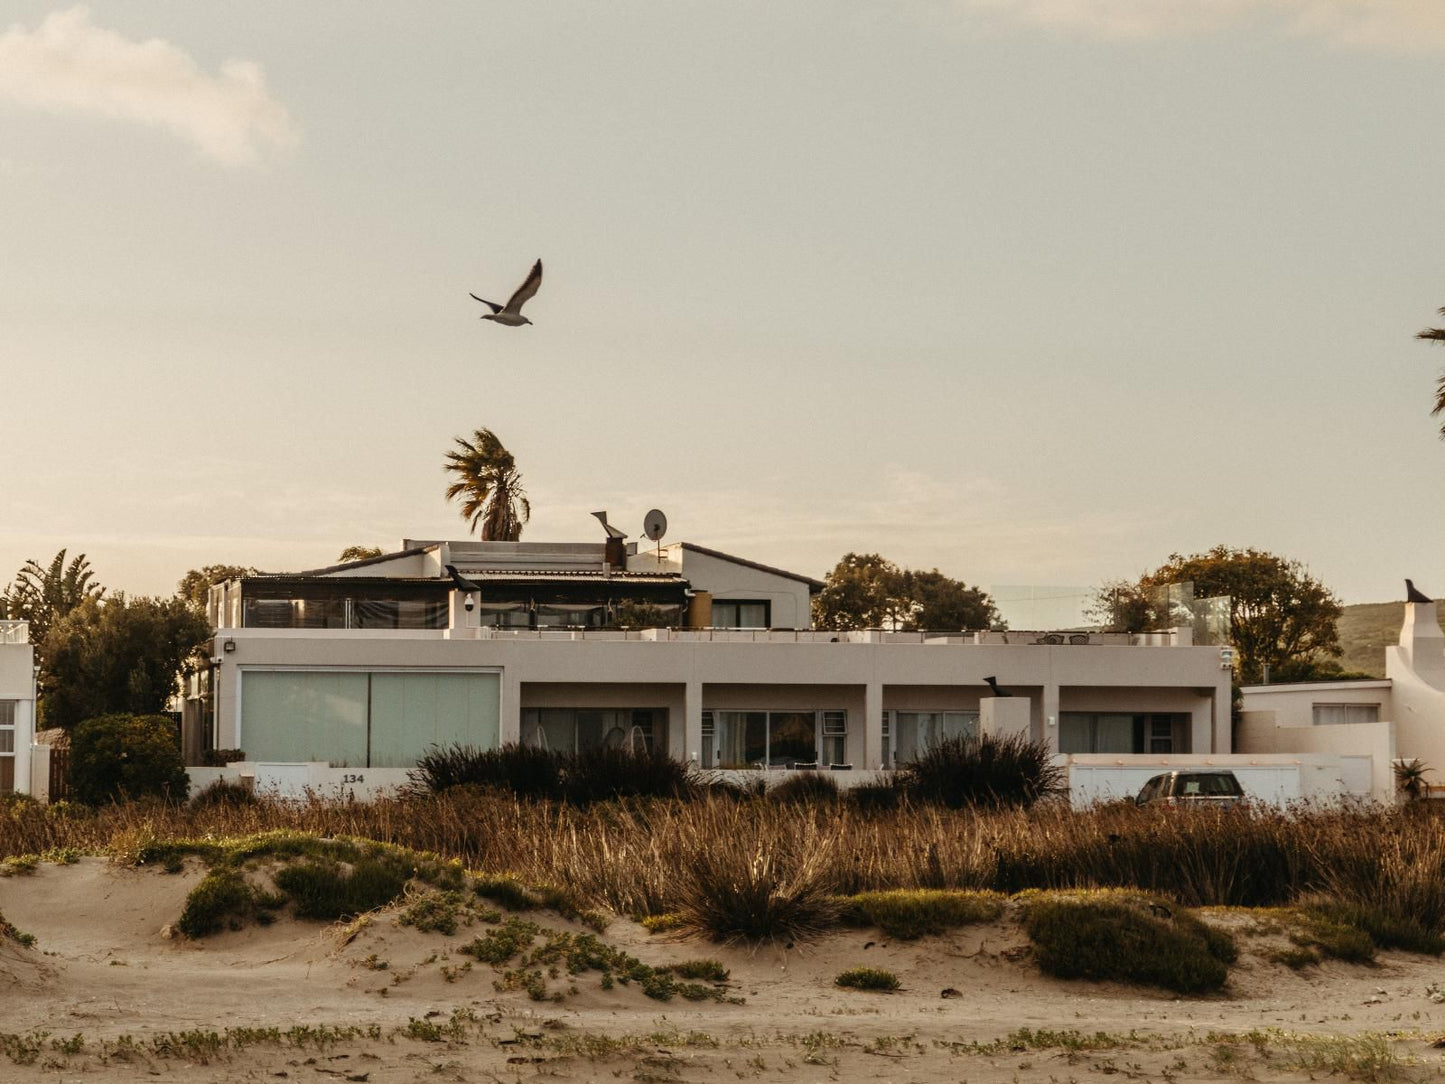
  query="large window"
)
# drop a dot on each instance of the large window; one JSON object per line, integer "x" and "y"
{"x": 906, "y": 734}
{"x": 738, "y": 613}
{"x": 1116, "y": 732}
{"x": 1335, "y": 714}
{"x": 315, "y": 607}
{"x": 8, "y": 710}
{"x": 575, "y": 730}
{"x": 774, "y": 739}
{"x": 364, "y": 719}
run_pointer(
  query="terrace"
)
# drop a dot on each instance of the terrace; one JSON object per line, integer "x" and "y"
{"x": 14, "y": 632}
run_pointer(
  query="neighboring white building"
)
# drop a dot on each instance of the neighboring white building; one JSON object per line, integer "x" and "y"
{"x": 1400, "y": 717}
{"x": 347, "y": 674}
{"x": 17, "y": 706}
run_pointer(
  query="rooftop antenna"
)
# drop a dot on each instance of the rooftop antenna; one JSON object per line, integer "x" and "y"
{"x": 654, "y": 526}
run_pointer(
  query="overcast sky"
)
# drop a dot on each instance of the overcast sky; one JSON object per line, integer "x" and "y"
{"x": 1033, "y": 291}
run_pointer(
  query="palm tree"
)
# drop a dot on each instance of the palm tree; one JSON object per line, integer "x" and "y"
{"x": 1436, "y": 335}
{"x": 43, "y": 595}
{"x": 494, "y": 502}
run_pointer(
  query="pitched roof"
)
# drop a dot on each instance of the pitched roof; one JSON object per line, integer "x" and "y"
{"x": 814, "y": 586}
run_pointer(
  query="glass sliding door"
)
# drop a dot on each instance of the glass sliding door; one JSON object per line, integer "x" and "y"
{"x": 291, "y": 717}
{"x": 772, "y": 739}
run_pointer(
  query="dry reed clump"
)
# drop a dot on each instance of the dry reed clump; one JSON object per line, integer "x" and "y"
{"x": 650, "y": 856}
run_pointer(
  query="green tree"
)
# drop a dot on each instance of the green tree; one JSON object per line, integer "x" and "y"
{"x": 195, "y": 586}
{"x": 358, "y": 553}
{"x": 42, "y": 594}
{"x": 119, "y": 655}
{"x": 114, "y": 757}
{"x": 868, "y": 591}
{"x": 939, "y": 603}
{"x": 864, "y": 591}
{"x": 493, "y": 501}
{"x": 1436, "y": 335}
{"x": 1279, "y": 614}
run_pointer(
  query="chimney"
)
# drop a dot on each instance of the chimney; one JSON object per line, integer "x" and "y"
{"x": 614, "y": 554}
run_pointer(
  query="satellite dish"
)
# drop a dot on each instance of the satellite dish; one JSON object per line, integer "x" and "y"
{"x": 654, "y": 525}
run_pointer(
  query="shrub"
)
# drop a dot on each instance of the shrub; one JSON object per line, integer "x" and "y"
{"x": 524, "y": 770}
{"x": 223, "y": 898}
{"x": 868, "y": 978}
{"x": 1131, "y": 938}
{"x": 879, "y": 795}
{"x": 603, "y": 773}
{"x": 731, "y": 896}
{"x": 986, "y": 771}
{"x": 323, "y": 888}
{"x": 227, "y": 793}
{"x": 1385, "y": 929}
{"x": 913, "y": 913}
{"x": 805, "y": 787}
{"x": 219, "y": 758}
{"x": 126, "y": 756}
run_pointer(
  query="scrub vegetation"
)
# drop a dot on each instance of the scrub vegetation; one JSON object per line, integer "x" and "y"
{"x": 733, "y": 867}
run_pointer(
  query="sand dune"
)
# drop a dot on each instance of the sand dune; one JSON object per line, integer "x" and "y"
{"x": 102, "y": 967}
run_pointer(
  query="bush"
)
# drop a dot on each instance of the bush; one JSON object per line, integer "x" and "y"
{"x": 219, "y": 758}
{"x": 730, "y": 896}
{"x": 806, "y": 787}
{"x": 868, "y": 978}
{"x": 223, "y": 898}
{"x": 327, "y": 890}
{"x": 1385, "y": 929}
{"x": 1130, "y": 938}
{"x": 880, "y": 795}
{"x": 126, "y": 756}
{"x": 986, "y": 771}
{"x": 224, "y": 793}
{"x": 604, "y": 773}
{"x": 913, "y": 913}
{"x": 524, "y": 770}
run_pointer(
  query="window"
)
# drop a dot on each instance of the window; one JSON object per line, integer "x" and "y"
{"x": 575, "y": 730}
{"x": 773, "y": 739}
{"x": 1111, "y": 732}
{"x": 8, "y": 711}
{"x": 359, "y": 719}
{"x": 1336, "y": 714}
{"x": 907, "y": 734}
{"x": 733, "y": 613}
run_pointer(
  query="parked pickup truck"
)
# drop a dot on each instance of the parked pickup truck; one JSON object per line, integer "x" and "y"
{"x": 1216, "y": 787}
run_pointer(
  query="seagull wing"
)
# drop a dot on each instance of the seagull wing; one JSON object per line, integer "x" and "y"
{"x": 526, "y": 290}
{"x": 490, "y": 304}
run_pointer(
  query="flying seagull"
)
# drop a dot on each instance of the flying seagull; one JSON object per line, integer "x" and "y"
{"x": 511, "y": 313}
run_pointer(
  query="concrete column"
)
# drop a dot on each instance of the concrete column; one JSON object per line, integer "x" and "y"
{"x": 1050, "y": 720}
{"x": 872, "y": 725}
{"x": 510, "y": 723}
{"x": 1004, "y": 716}
{"x": 24, "y": 739}
{"x": 691, "y": 751}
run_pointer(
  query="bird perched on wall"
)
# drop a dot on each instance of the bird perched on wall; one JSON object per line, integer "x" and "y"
{"x": 511, "y": 313}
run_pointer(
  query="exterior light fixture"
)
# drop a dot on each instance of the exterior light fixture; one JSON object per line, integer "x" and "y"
{"x": 229, "y": 646}
{"x": 469, "y": 603}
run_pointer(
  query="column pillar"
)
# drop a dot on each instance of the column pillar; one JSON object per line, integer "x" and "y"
{"x": 872, "y": 726}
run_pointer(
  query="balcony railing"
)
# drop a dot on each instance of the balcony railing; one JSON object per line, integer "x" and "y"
{"x": 14, "y": 632}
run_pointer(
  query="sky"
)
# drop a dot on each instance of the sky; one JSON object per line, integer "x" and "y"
{"x": 1030, "y": 291}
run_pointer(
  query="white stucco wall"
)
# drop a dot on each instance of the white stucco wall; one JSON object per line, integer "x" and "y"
{"x": 17, "y": 683}
{"x": 690, "y": 672}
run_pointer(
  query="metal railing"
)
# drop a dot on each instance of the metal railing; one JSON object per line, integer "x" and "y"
{"x": 14, "y": 632}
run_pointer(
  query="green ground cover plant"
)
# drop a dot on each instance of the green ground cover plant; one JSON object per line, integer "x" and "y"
{"x": 868, "y": 978}
{"x": 1127, "y": 937}
{"x": 910, "y": 913}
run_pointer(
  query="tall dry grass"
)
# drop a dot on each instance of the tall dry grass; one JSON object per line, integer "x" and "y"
{"x": 650, "y": 857}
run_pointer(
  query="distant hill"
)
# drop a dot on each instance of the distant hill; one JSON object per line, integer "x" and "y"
{"x": 1365, "y": 631}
